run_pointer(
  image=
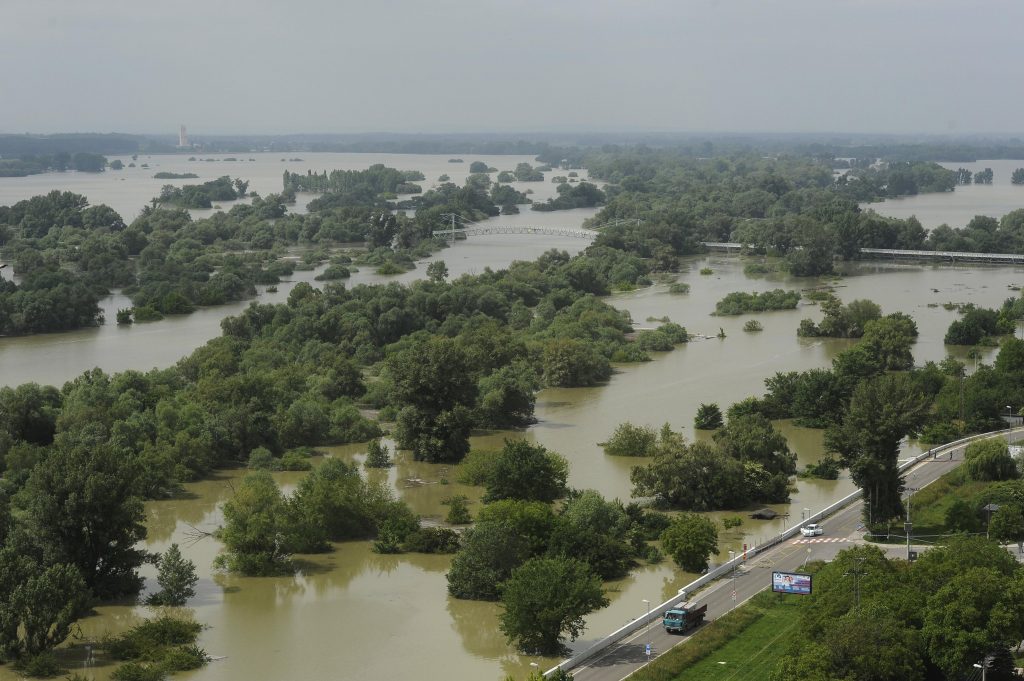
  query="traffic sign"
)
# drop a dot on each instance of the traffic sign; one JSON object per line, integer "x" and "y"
{"x": 648, "y": 650}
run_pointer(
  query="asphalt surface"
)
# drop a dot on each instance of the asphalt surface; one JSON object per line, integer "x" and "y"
{"x": 842, "y": 530}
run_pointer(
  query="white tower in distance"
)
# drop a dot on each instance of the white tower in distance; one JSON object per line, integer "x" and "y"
{"x": 182, "y": 137}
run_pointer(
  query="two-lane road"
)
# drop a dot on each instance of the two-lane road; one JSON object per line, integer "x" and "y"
{"x": 842, "y": 530}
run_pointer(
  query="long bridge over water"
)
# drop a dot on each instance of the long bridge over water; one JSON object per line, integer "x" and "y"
{"x": 897, "y": 254}
{"x": 480, "y": 229}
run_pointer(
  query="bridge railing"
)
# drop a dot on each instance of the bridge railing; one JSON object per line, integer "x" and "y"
{"x": 899, "y": 253}
{"x": 728, "y": 566}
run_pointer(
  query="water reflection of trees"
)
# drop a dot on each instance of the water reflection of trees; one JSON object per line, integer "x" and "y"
{"x": 197, "y": 507}
{"x": 477, "y": 623}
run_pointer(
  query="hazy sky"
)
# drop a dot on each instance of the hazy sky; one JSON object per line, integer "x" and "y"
{"x": 261, "y": 66}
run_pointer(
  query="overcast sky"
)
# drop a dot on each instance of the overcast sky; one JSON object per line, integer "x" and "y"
{"x": 256, "y": 66}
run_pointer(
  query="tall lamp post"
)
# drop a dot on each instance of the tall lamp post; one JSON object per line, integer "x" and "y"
{"x": 732, "y": 577}
{"x": 983, "y": 667}
{"x": 647, "y": 628}
{"x": 909, "y": 526}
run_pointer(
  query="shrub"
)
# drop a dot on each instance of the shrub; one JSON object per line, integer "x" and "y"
{"x": 458, "y": 510}
{"x": 709, "y": 417}
{"x": 133, "y": 671}
{"x": 377, "y": 455}
{"x": 261, "y": 459}
{"x": 43, "y": 665}
{"x": 990, "y": 461}
{"x": 826, "y": 469}
{"x": 753, "y": 325}
{"x": 432, "y": 540}
{"x": 630, "y": 440}
{"x": 731, "y": 521}
{"x": 739, "y": 302}
{"x": 295, "y": 460}
{"x": 477, "y": 467}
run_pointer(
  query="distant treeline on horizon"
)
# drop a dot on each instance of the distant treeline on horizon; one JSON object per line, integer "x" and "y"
{"x": 551, "y": 146}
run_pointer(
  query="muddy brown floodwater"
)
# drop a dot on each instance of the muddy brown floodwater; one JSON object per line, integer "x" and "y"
{"x": 353, "y": 614}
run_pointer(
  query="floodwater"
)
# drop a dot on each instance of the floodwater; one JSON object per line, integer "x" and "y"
{"x": 958, "y": 207}
{"x": 353, "y": 614}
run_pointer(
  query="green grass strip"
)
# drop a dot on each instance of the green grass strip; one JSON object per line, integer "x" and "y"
{"x": 750, "y": 640}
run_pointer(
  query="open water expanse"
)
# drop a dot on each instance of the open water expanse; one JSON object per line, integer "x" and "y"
{"x": 353, "y": 614}
{"x": 958, "y": 207}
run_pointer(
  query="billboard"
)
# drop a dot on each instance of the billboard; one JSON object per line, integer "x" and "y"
{"x": 791, "y": 583}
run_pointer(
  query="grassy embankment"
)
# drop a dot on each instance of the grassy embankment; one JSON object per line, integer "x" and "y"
{"x": 741, "y": 645}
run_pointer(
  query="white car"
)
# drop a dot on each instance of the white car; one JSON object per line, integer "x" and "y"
{"x": 812, "y": 530}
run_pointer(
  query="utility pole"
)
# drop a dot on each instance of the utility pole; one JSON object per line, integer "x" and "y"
{"x": 452, "y": 216}
{"x": 857, "y": 572}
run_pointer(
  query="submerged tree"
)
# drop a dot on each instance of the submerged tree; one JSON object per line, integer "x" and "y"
{"x": 177, "y": 579}
{"x": 709, "y": 417}
{"x": 547, "y": 598}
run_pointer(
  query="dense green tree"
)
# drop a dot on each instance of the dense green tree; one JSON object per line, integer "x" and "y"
{"x": 507, "y": 396}
{"x": 970, "y": 616}
{"x": 334, "y": 503}
{"x": 888, "y": 340}
{"x": 527, "y": 471}
{"x": 533, "y": 521}
{"x": 595, "y": 531}
{"x": 1007, "y": 524}
{"x": 79, "y": 506}
{"x": 983, "y": 176}
{"x": 752, "y": 437}
{"x": 458, "y": 510}
{"x": 882, "y": 411}
{"x": 630, "y": 440}
{"x": 256, "y": 532}
{"x": 437, "y": 271}
{"x": 489, "y": 553}
{"x": 47, "y": 604}
{"x": 377, "y": 455}
{"x": 29, "y": 412}
{"x": 177, "y": 578}
{"x": 545, "y": 599}
{"x": 709, "y": 417}
{"x": 570, "y": 363}
{"x": 975, "y": 324}
{"x": 690, "y": 540}
{"x": 434, "y": 422}
{"x": 989, "y": 460}
{"x": 698, "y": 477}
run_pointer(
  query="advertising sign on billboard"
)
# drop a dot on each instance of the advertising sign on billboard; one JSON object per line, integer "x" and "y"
{"x": 791, "y": 583}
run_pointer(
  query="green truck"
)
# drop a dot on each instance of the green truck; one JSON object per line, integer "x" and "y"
{"x": 681, "y": 619}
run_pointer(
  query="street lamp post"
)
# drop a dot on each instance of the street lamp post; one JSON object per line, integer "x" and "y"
{"x": 732, "y": 577}
{"x": 983, "y": 667}
{"x": 909, "y": 526}
{"x": 647, "y": 628}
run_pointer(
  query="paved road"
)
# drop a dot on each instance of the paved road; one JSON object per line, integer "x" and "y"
{"x": 842, "y": 530}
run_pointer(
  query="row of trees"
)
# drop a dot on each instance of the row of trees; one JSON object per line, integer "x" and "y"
{"x": 959, "y": 606}
{"x": 30, "y": 164}
{"x": 546, "y": 565}
{"x": 203, "y": 195}
{"x": 747, "y": 461}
